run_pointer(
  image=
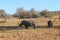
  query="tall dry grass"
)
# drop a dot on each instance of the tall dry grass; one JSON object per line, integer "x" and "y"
{"x": 30, "y": 34}
{"x": 38, "y": 21}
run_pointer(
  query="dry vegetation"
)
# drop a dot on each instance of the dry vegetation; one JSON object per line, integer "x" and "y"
{"x": 38, "y": 21}
{"x": 30, "y": 34}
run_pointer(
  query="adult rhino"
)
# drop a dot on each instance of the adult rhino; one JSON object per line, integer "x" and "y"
{"x": 27, "y": 24}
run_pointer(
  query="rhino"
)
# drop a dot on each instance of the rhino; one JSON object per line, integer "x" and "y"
{"x": 50, "y": 23}
{"x": 27, "y": 24}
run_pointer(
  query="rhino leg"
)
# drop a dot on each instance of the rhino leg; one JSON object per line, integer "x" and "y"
{"x": 34, "y": 26}
{"x": 26, "y": 27}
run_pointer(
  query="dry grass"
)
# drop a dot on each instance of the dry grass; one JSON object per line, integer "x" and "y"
{"x": 30, "y": 34}
{"x": 38, "y": 21}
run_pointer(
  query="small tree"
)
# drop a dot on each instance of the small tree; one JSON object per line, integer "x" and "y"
{"x": 45, "y": 13}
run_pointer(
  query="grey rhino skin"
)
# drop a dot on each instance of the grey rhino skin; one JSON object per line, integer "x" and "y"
{"x": 27, "y": 24}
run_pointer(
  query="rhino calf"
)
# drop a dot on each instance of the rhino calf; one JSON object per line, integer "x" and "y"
{"x": 50, "y": 24}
